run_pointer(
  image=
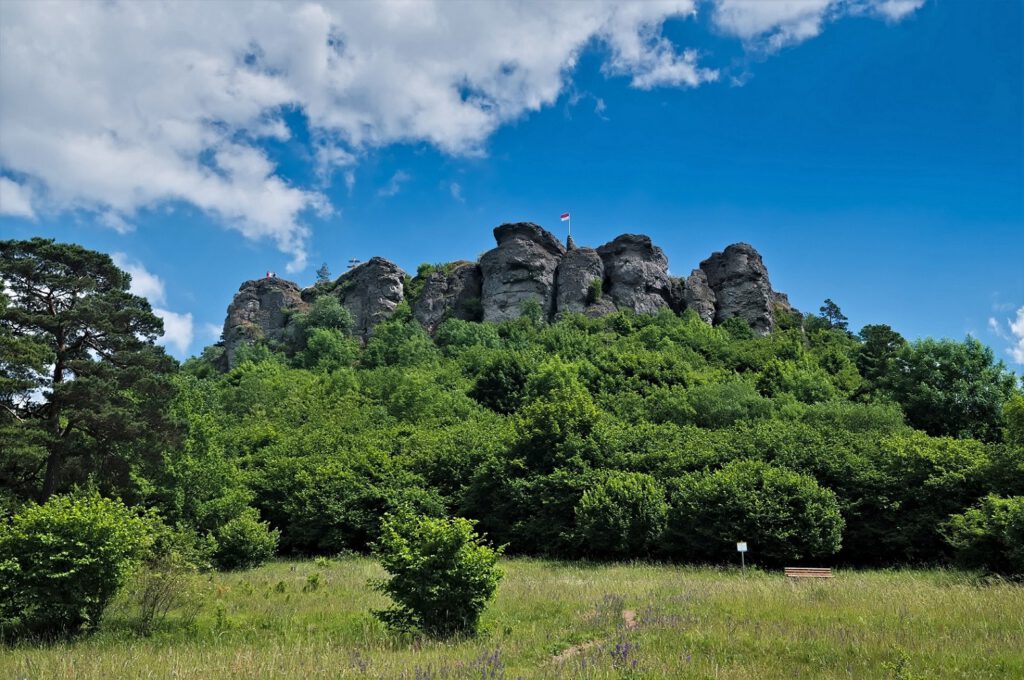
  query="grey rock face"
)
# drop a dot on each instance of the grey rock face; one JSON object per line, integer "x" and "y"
{"x": 739, "y": 279}
{"x": 574, "y": 281}
{"x": 370, "y": 292}
{"x": 698, "y": 296}
{"x": 259, "y": 310}
{"x": 450, "y": 295}
{"x": 528, "y": 263}
{"x": 522, "y": 267}
{"x": 636, "y": 272}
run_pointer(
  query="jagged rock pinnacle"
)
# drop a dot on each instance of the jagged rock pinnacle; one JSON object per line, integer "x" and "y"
{"x": 528, "y": 263}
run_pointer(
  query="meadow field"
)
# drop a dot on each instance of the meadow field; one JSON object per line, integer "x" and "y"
{"x": 311, "y": 619}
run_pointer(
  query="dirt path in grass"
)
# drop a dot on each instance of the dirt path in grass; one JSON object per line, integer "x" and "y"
{"x": 629, "y": 620}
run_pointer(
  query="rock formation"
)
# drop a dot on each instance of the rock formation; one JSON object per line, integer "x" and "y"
{"x": 579, "y": 284}
{"x": 454, "y": 293}
{"x": 521, "y": 268}
{"x": 739, "y": 279}
{"x": 528, "y": 263}
{"x": 637, "y": 273}
{"x": 259, "y": 311}
{"x": 698, "y": 296}
{"x": 370, "y": 292}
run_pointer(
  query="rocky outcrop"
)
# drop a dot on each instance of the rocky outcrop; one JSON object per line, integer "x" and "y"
{"x": 259, "y": 310}
{"x": 529, "y": 263}
{"x": 452, "y": 293}
{"x": 370, "y": 292}
{"x": 636, "y": 272}
{"x": 520, "y": 268}
{"x": 739, "y": 279}
{"x": 579, "y": 283}
{"x": 698, "y": 296}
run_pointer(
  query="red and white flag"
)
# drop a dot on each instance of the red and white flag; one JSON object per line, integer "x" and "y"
{"x": 565, "y": 217}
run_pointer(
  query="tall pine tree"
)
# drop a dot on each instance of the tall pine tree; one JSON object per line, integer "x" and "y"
{"x": 83, "y": 388}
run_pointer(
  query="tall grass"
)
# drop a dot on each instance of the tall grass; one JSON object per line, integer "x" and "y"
{"x": 569, "y": 620}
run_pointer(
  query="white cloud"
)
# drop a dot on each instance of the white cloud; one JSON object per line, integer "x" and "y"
{"x": 456, "y": 190}
{"x": 114, "y": 221}
{"x": 1012, "y": 333}
{"x": 894, "y": 10}
{"x": 15, "y": 199}
{"x": 1017, "y": 330}
{"x": 212, "y": 331}
{"x": 394, "y": 184}
{"x": 177, "y": 330}
{"x": 144, "y": 283}
{"x": 111, "y": 107}
{"x": 773, "y": 24}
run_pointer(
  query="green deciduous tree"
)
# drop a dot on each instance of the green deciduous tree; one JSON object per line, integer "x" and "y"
{"x": 949, "y": 388}
{"x": 990, "y": 535}
{"x": 621, "y": 516}
{"x": 784, "y": 515}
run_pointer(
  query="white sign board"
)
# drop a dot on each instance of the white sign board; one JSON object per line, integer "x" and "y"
{"x": 741, "y": 546}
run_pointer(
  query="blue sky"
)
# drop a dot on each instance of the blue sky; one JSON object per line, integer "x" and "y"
{"x": 872, "y": 150}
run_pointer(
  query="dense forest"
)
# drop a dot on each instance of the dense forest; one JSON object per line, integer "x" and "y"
{"x": 620, "y": 437}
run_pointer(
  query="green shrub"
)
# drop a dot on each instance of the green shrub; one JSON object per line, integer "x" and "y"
{"x": 594, "y": 291}
{"x": 244, "y": 542}
{"x": 441, "y": 574}
{"x": 783, "y": 515}
{"x": 804, "y": 380}
{"x": 990, "y": 535}
{"x": 62, "y": 562}
{"x": 398, "y": 342}
{"x": 501, "y": 386}
{"x": 621, "y": 516}
{"x": 337, "y": 505}
{"x": 168, "y": 580}
{"x": 722, "y": 404}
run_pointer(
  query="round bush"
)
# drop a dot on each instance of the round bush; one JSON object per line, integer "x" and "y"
{"x": 441, "y": 574}
{"x": 244, "y": 542}
{"x": 62, "y": 562}
{"x": 990, "y": 536}
{"x": 781, "y": 514}
{"x": 621, "y": 516}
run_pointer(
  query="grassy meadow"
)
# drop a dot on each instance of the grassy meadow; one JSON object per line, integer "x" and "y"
{"x": 310, "y": 619}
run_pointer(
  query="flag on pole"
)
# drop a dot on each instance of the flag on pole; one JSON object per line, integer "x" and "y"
{"x": 565, "y": 217}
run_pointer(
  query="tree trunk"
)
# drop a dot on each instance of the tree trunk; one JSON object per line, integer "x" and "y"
{"x": 54, "y": 459}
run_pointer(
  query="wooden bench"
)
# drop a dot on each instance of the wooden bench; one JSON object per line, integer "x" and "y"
{"x": 808, "y": 572}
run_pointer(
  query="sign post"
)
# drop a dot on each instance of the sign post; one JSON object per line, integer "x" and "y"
{"x": 741, "y": 548}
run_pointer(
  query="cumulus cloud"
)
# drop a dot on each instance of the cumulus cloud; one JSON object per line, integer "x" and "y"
{"x": 178, "y": 328}
{"x": 772, "y": 25}
{"x": 1013, "y": 333}
{"x": 111, "y": 107}
{"x": 894, "y": 10}
{"x": 144, "y": 283}
{"x": 15, "y": 199}
{"x": 212, "y": 331}
{"x": 178, "y": 331}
